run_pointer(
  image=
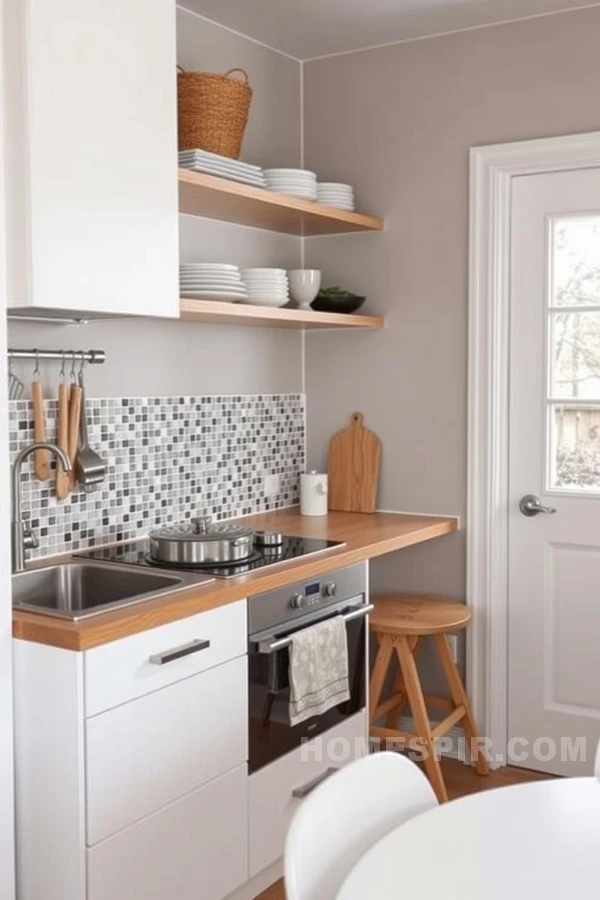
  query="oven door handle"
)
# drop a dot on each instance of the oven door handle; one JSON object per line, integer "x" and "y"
{"x": 271, "y": 647}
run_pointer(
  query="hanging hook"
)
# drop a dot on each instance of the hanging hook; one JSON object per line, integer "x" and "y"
{"x": 62, "y": 374}
{"x": 72, "y": 374}
{"x": 36, "y": 371}
{"x": 82, "y": 363}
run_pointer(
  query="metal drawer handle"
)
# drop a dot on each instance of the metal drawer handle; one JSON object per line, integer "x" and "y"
{"x": 268, "y": 647}
{"x": 159, "y": 659}
{"x": 302, "y": 792}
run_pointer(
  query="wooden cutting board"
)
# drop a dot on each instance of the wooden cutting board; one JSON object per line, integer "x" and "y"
{"x": 353, "y": 467}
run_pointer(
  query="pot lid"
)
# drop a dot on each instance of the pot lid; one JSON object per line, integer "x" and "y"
{"x": 201, "y": 529}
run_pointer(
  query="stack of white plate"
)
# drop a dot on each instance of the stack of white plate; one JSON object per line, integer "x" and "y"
{"x": 266, "y": 287}
{"x": 297, "y": 182}
{"x": 211, "y": 281}
{"x": 223, "y": 166}
{"x": 334, "y": 193}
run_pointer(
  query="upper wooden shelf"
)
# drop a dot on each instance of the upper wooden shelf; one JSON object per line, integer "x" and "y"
{"x": 218, "y": 198}
{"x": 213, "y": 313}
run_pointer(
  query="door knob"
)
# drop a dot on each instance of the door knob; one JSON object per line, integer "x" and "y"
{"x": 530, "y": 506}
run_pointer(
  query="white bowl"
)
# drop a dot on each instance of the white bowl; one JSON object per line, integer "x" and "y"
{"x": 303, "y": 172}
{"x": 305, "y": 182}
{"x": 268, "y": 294}
{"x": 263, "y": 280}
{"x": 276, "y": 278}
{"x": 291, "y": 186}
{"x": 266, "y": 287}
{"x": 220, "y": 267}
{"x": 304, "y": 286}
{"x": 259, "y": 289}
{"x": 270, "y": 271}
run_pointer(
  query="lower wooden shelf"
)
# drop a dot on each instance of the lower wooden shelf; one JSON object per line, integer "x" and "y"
{"x": 209, "y": 311}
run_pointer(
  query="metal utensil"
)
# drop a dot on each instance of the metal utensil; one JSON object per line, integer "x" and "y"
{"x": 16, "y": 387}
{"x": 91, "y": 468}
{"x": 62, "y": 477}
{"x": 73, "y": 426}
{"x": 42, "y": 457}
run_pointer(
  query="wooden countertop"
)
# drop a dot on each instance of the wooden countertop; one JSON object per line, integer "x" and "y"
{"x": 366, "y": 536}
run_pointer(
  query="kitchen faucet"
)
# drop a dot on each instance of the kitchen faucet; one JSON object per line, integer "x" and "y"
{"x": 22, "y": 537}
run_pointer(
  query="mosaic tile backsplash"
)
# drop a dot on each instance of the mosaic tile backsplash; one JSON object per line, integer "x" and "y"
{"x": 168, "y": 458}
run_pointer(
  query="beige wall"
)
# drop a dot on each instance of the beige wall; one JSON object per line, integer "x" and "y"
{"x": 398, "y": 123}
{"x": 157, "y": 357}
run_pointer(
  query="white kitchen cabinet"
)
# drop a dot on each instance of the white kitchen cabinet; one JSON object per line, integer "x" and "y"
{"x": 92, "y": 157}
{"x": 163, "y": 857}
{"x": 272, "y": 800}
{"x": 122, "y": 670}
{"x": 156, "y": 781}
{"x": 142, "y": 755}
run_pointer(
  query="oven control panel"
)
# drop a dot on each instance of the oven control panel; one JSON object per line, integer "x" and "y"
{"x": 313, "y": 594}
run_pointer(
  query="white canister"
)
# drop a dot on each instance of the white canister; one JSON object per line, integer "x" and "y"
{"x": 313, "y": 494}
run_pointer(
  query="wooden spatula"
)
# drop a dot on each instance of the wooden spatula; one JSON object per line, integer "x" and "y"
{"x": 62, "y": 478}
{"x": 42, "y": 457}
{"x": 73, "y": 435}
{"x": 353, "y": 467}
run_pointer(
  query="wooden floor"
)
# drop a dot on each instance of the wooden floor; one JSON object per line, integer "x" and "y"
{"x": 460, "y": 781}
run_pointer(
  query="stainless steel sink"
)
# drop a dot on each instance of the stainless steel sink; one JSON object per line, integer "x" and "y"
{"x": 76, "y": 590}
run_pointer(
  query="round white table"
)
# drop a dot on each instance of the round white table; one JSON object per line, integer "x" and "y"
{"x": 537, "y": 841}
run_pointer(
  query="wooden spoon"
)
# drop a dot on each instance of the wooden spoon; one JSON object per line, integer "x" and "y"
{"x": 73, "y": 436}
{"x": 62, "y": 477}
{"x": 42, "y": 457}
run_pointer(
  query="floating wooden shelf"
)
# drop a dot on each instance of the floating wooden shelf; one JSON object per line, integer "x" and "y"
{"x": 218, "y": 198}
{"x": 211, "y": 312}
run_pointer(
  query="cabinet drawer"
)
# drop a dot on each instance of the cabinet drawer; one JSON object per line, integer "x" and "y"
{"x": 123, "y": 670}
{"x": 197, "y": 847}
{"x": 272, "y": 801}
{"x": 140, "y": 756}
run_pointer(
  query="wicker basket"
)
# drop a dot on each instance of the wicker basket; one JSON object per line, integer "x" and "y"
{"x": 213, "y": 111}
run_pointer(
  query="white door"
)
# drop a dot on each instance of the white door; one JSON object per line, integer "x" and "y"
{"x": 554, "y": 555}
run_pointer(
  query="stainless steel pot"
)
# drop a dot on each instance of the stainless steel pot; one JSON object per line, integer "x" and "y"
{"x": 200, "y": 542}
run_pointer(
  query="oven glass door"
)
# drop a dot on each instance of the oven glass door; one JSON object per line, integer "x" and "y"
{"x": 270, "y": 732}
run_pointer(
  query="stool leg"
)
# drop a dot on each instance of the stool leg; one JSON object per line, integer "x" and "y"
{"x": 460, "y": 698}
{"x": 420, "y": 716}
{"x": 382, "y": 662}
{"x": 399, "y": 689}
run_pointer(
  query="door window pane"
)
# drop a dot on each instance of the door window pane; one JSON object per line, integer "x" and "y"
{"x": 575, "y": 253}
{"x": 575, "y": 355}
{"x": 575, "y": 448}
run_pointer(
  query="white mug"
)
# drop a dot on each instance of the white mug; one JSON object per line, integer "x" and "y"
{"x": 304, "y": 286}
{"x": 313, "y": 494}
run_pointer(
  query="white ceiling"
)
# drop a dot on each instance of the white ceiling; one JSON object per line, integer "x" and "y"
{"x": 309, "y": 28}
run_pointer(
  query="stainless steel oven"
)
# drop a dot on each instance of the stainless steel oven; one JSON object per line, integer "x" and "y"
{"x": 273, "y": 618}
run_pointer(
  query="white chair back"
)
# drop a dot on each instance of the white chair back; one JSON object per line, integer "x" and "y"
{"x": 345, "y": 816}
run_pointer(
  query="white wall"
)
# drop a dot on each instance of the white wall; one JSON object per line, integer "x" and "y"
{"x": 162, "y": 358}
{"x": 398, "y": 122}
{"x": 7, "y": 841}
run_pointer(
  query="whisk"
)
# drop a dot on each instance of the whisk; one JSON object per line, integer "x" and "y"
{"x": 16, "y": 387}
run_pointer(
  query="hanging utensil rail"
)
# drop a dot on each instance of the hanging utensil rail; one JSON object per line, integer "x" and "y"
{"x": 94, "y": 357}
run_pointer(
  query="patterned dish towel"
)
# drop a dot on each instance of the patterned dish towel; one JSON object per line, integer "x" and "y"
{"x": 318, "y": 669}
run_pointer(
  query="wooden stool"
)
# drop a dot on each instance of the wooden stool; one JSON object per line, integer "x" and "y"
{"x": 400, "y": 621}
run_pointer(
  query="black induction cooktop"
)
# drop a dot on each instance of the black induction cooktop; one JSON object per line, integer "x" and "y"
{"x": 137, "y": 553}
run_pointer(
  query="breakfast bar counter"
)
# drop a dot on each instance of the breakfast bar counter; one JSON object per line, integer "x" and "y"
{"x": 366, "y": 536}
